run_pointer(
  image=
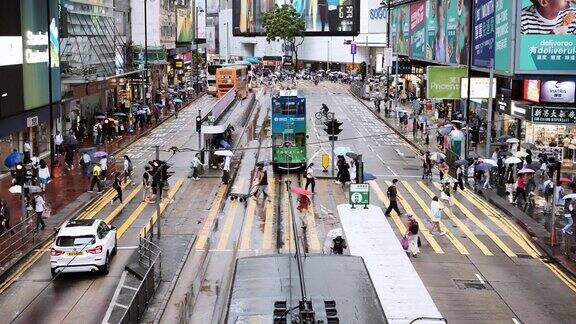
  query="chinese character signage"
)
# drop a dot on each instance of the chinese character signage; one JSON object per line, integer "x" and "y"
{"x": 492, "y": 34}
{"x": 444, "y": 82}
{"x": 553, "y": 115}
{"x": 546, "y": 45}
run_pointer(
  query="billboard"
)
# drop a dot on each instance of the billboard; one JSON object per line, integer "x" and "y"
{"x": 558, "y": 91}
{"x": 418, "y": 29}
{"x": 322, "y": 18}
{"x": 184, "y": 25}
{"x": 546, "y": 41}
{"x": 531, "y": 91}
{"x": 400, "y": 29}
{"x": 201, "y": 19}
{"x": 444, "y": 82}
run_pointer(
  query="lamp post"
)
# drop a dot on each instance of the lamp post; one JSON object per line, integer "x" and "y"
{"x": 145, "y": 81}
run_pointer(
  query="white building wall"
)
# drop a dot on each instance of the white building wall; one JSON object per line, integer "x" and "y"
{"x": 153, "y": 22}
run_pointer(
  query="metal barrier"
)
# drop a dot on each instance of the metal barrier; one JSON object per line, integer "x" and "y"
{"x": 12, "y": 241}
{"x": 150, "y": 255}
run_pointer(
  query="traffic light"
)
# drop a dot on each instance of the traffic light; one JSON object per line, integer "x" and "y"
{"x": 20, "y": 174}
{"x": 164, "y": 174}
{"x": 198, "y": 124}
{"x": 333, "y": 129}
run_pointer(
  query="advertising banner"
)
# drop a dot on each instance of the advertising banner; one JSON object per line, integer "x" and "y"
{"x": 553, "y": 115}
{"x": 546, "y": 45}
{"x": 531, "y": 91}
{"x": 201, "y": 19}
{"x": 213, "y": 7}
{"x": 504, "y": 18}
{"x": 484, "y": 31}
{"x": 377, "y": 17}
{"x": 328, "y": 18}
{"x": 444, "y": 82}
{"x": 457, "y": 15}
{"x": 479, "y": 88}
{"x": 558, "y": 91}
{"x": 418, "y": 29}
{"x": 184, "y": 25}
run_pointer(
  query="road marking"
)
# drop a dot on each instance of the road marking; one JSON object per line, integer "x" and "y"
{"x": 459, "y": 246}
{"x": 120, "y": 207}
{"x": 230, "y": 216}
{"x": 516, "y": 321}
{"x": 370, "y": 147}
{"x": 210, "y": 219}
{"x": 248, "y": 223}
{"x": 270, "y": 218}
{"x": 163, "y": 204}
{"x": 425, "y": 231}
{"x": 460, "y": 224}
{"x": 127, "y": 247}
{"x": 480, "y": 279}
{"x": 313, "y": 239}
{"x": 124, "y": 227}
{"x": 483, "y": 227}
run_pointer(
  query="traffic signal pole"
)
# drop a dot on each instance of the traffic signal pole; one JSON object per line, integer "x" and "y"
{"x": 158, "y": 195}
{"x": 333, "y": 136}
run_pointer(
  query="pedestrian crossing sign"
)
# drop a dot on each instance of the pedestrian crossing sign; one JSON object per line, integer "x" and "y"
{"x": 359, "y": 194}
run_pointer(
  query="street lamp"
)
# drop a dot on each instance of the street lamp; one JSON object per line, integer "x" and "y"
{"x": 227, "y": 44}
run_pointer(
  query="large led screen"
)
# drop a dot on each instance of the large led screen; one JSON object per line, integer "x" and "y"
{"x": 322, "y": 17}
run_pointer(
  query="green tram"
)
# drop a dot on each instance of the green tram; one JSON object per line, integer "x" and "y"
{"x": 288, "y": 131}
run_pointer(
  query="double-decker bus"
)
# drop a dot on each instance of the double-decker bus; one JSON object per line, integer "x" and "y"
{"x": 232, "y": 77}
{"x": 211, "y": 73}
{"x": 288, "y": 131}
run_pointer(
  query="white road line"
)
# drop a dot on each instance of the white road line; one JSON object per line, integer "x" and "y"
{"x": 516, "y": 321}
{"x": 389, "y": 168}
{"x": 127, "y": 247}
{"x": 480, "y": 279}
{"x": 370, "y": 147}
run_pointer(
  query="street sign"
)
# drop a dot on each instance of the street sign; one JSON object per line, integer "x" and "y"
{"x": 32, "y": 121}
{"x": 353, "y": 48}
{"x": 359, "y": 194}
{"x": 325, "y": 162}
{"x": 387, "y": 57}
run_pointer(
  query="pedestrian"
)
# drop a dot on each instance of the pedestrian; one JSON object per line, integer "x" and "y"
{"x": 443, "y": 169}
{"x": 412, "y": 235}
{"x": 58, "y": 141}
{"x": 39, "y": 207}
{"x": 427, "y": 166}
{"x": 118, "y": 187}
{"x": 96, "y": 173}
{"x": 339, "y": 244}
{"x": 547, "y": 191}
{"x": 95, "y": 133}
{"x": 262, "y": 176}
{"x": 128, "y": 169}
{"x": 520, "y": 189}
{"x": 486, "y": 184}
{"x": 303, "y": 203}
{"x": 459, "y": 179}
{"x": 146, "y": 183}
{"x": 35, "y": 163}
{"x": 43, "y": 175}
{"x": 392, "y": 194}
{"x": 414, "y": 127}
{"x": 69, "y": 157}
{"x": 195, "y": 166}
{"x": 446, "y": 196}
{"x": 569, "y": 215}
{"x": 104, "y": 167}
{"x": 5, "y": 217}
{"x": 310, "y": 180}
{"x": 85, "y": 161}
{"x": 27, "y": 151}
{"x": 436, "y": 209}
{"x": 226, "y": 170}
{"x": 343, "y": 170}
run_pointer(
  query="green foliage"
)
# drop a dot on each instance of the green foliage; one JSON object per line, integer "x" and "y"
{"x": 283, "y": 23}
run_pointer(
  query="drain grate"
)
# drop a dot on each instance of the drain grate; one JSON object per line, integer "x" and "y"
{"x": 472, "y": 284}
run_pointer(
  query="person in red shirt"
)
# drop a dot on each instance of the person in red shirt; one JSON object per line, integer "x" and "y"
{"x": 520, "y": 188}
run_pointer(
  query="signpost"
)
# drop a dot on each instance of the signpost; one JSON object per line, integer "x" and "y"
{"x": 359, "y": 194}
{"x": 325, "y": 162}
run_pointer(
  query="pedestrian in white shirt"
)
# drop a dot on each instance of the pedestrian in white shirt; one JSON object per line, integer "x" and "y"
{"x": 104, "y": 166}
{"x": 195, "y": 165}
{"x": 58, "y": 141}
{"x": 226, "y": 170}
{"x": 43, "y": 175}
{"x": 39, "y": 207}
{"x": 85, "y": 161}
{"x": 128, "y": 169}
{"x": 27, "y": 151}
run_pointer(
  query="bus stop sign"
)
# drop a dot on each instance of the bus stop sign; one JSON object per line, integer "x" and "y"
{"x": 359, "y": 194}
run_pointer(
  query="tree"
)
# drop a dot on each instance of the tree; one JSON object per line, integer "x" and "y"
{"x": 285, "y": 23}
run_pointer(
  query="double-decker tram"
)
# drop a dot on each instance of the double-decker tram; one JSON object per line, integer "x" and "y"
{"x": 288, "y": 131}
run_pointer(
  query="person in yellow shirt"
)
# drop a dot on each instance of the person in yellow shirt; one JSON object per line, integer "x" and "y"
{"x": 96, "y": 172}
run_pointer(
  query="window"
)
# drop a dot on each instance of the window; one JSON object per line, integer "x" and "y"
{"x": 102, "y": 230}
{"x": 73, "y": 241}
{"x": 300, "y": 139}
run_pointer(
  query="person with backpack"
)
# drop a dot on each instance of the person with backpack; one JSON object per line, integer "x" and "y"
{"x": 392, "y": 194}
{"x": 568, "y": 214}
{"x": 412, "y": 235}
{"x": 128, "y": 169}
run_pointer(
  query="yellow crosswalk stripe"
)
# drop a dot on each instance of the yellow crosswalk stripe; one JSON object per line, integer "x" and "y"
{"x": 204, "y": 233}
{"x": 230, "y": 217}
{"x": 460, "y": 224}
{"x": 483, "y": 227}
{"x": 459, "y": 246}
{"x": 247, "y": 226}
{"x": 374, "y": 185}
{"x": 163, "y": 204}
{"x": 503, "y": 223}
{"x": 270, "y": 217}
{"x": 313, "y": 240}
{"x": 425, "y": 232}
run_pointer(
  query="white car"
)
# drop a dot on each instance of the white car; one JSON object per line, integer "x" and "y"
{"x": 84, "y": 245}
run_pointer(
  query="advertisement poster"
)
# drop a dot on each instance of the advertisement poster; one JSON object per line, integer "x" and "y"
{"x": 484, "y": 31}
{"x": 547, "y": 40}
{"x": 444, "y": 82}
{"x": 436, "y": 30}
{"x": 184, "y": 25}
{"x": 558, "y": 91}
{"x": 418, "y": 29}
{"x": 457, "y": 15}
{"x": 503, "y": 36}
{"x": 201, "y": 19}
{"x": 329, "y": 17}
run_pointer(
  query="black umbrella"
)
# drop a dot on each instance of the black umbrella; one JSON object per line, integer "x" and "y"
{"x": 534, "y": 165}
{"x": 503, "y": 138}
{"x": 461, "y": 162}
{"x": 473, "y": 155}
{"x": 506, "y": 153}
{"x": 120, "y": 114}
{"x": 528, "y": 146}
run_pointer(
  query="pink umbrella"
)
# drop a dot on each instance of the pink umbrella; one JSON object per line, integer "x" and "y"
{"x": 300, "y": 191}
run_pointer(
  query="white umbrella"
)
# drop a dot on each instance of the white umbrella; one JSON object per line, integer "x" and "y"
{"x": 569, "y": 196}
{"x": 512, "y": 160}
{"x": 526, "y": 170}
{"x": 224, "y": 153}
{"x": 520, "y": 154}
{"x": 333, "y": 233}
{"x": 512, "y": 140}
{"x": 15, "y": 189}
{"x": 490, "y": 161}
